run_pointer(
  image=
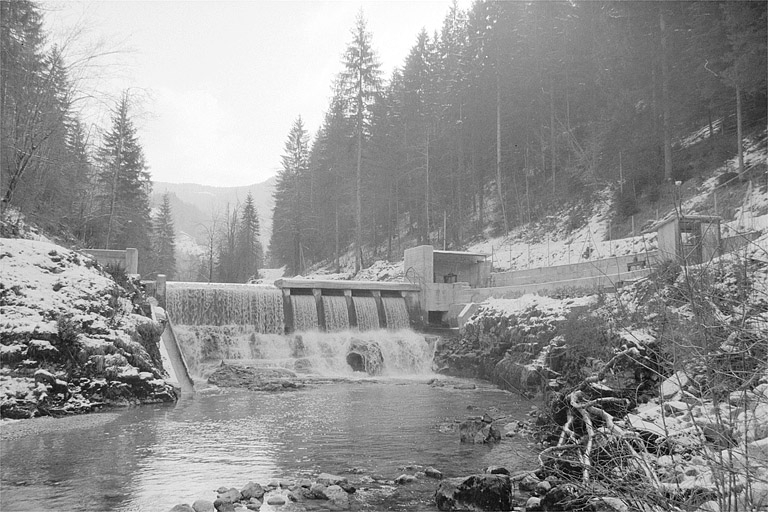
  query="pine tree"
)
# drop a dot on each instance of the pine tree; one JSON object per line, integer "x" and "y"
{"x": 362, "y": 82}
{"x": 124, "y": 187}
{"x": 291, "y": 191}
{"x": 164, "y": 240}
{"x": 248, "y": 249}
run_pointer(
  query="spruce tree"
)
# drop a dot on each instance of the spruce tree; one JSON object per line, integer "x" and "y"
{"x": 164, "y": 240}
{"x": 248, "y": 247}
{"x": 288, "y": 223}
{"x": 362, "y": 83}
{"x": 124, "y": 187}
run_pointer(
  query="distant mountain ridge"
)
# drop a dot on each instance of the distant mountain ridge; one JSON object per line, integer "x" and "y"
{"x": 195, "y": 207}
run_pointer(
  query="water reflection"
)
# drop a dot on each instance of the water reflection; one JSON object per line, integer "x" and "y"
{"x": 153, "y": 457}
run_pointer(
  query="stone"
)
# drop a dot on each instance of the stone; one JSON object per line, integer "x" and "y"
{"x": 674, "y": 384}
{"x": 528, "y": 483}
{"x": 485, "y": 491}
{"x": 317, "y": 491}
{"x": 476, "y": 431}
{"x": 543, "y": 487}
{"x": 496, "y": 470}
{"x": 253, "y": 504}
{"x": 231, "y": 495}
{"x": 405, "y": 479}
{"x": 533, "y": 504}
{"x": 445, "y": 498}
{"x": 431, "y": 472}
{"x": 183, "y": 507}
{"x": 329, "y": 479}
{"x": 348, "y": 488}
{"x": 563, "y": 497}
{"x": 252, "y": 490}
{"x": 276, "y": 500}
{"x": 223, "y": 506}
{"x": 203, "y": 506}
{"x": 338, "y": 497}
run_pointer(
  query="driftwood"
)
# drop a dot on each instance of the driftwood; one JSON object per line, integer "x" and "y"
{"x": 580, "y": 405}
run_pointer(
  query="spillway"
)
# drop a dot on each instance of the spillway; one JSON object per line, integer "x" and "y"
{"x": 320, "y": 333}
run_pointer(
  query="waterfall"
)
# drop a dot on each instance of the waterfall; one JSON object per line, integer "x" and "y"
{"x": 230, "y": 322}
{"x": 304, "y": 312}
{"x": 336, "y": 313}
{"x": 260, "y": 307}
{"x": 396, "y": 312}
{"x": 347, "y": 353}
{"x": 367, "y": 313}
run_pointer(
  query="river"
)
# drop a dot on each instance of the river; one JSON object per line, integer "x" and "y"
{"x": 154, "y": 457}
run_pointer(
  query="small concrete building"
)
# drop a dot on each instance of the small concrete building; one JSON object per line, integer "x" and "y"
{"x": 445, "y": 277}
{"x": 690, "y": 239}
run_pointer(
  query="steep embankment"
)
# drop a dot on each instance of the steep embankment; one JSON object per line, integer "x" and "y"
{"x": 71, "y": 339}
{"x": 658, "y": 393}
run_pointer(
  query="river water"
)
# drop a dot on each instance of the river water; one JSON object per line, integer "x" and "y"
{"x": 151, "y": 458}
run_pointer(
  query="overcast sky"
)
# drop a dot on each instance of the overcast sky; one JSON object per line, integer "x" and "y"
{"x": 219, "y": 83}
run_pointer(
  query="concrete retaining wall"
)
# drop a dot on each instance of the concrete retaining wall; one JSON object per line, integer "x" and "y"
{"x": 590, "y": 283}
{"x": 614, "y": 268}
{"x": 127, "y": 259}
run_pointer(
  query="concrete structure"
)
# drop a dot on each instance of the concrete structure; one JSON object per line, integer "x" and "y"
{"x": 690, "y": 239}
{"x": 444, "y": 277}
{"x": 614, "y": 269}
{"x": 349, "y": 289}
{"x": 127, "y": 259}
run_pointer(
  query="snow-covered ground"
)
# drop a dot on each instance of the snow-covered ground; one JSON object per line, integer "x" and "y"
{"x": 70, "y": 337}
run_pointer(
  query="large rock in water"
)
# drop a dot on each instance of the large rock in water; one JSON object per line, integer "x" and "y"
{"x": 478, "y": 431}
{"x": 483, "y": 491}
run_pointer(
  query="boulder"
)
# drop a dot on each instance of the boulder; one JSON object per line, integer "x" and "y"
{"x": 223, "y": 506}
{"x": 276, "y": 500}
{"x": 231, "y": 495}
{"x": 533, "y": 504}
{"x": 445, "y": 495}
{"x": 338, "y": 497}
{"x": 528, "y": 483}
{"x": 405, "y": 479}
{"x": 203, "y": 506}
{"x": 318, "y": 491}
{"x": 477, "y": 431}
{"x": 183, "y": 507}
{"x": 563, "y": 498}
{"x": 485, "y": 491}
{"x": 252, "y": 490}
{"x": 431, "y": 472}
{"x": 543, "y": 487}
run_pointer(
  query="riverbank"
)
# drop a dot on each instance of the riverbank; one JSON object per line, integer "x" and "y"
{"x": 73, "y": 340}
{"x": 657, "y": 393}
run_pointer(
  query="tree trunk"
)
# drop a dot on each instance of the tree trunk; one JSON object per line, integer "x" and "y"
{"x": 552, "y": 151}
{"x": 426, "y": 191}
{"x": 498, "y": 154}
{"x": 665, "y": 99}
{"x": 739, "y": 128}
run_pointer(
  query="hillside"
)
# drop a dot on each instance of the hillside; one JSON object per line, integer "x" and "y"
{"x": 195, "y": 207}
{"x": 591, "y": 227}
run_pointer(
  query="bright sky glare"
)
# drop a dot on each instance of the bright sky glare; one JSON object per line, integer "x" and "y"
{"x": 221, "y": 82}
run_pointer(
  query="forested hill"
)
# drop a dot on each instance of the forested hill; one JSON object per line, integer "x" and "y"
{"x": 513, "y": 110}
{"x": 196, "y": 207}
